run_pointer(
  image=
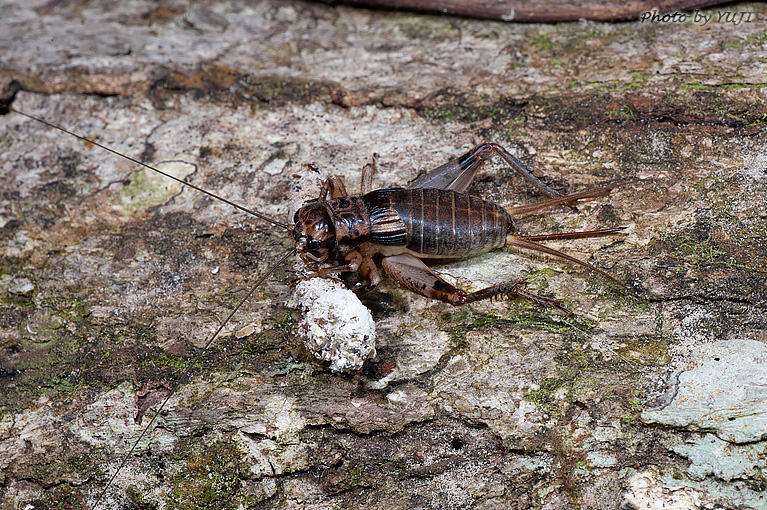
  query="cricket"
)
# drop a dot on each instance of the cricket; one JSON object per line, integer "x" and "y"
{"x": 398, "y": 229}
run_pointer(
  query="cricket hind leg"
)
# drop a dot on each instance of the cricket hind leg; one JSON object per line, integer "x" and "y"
{"x": 515, "y": 289}
{"x": 457, "y": 174}
{"x": 413, "y": 274}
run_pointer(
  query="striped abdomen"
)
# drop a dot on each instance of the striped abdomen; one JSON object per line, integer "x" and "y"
{"x": 437, "y": 222}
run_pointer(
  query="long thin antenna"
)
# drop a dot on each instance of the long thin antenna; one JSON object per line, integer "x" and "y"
{"x": 150, "y": 167}
{"x": 196, "y": 359}
{"x": 178, "y": 381}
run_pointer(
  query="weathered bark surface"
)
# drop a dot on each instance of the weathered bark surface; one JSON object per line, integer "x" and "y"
{"x": 111, "y": 279}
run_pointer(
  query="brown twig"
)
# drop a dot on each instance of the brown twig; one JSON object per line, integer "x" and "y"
{"x": 547, "y": 11}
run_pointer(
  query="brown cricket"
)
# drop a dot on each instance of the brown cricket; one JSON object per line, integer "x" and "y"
{"x": 432, "y": 217}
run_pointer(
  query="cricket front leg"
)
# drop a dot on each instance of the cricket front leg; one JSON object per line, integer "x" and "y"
{"x": 355, "y": 261}
{"x": 366, "y": 176}
{"x": 362, "y": 260}
{"x": 333, "y": 185}
{"x": 413, "y": 274}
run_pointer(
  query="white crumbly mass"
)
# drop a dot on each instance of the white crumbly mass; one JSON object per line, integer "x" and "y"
{"x": 335, "y": 326}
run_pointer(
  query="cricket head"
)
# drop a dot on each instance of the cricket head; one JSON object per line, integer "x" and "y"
{"x": 314, "y": 232}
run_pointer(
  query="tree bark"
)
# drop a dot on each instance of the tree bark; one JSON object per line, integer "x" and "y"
{"x": 112, "y": 279}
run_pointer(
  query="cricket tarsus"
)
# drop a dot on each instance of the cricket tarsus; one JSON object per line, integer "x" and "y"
{"x": 150, "y": 167}
{"x": 194, "y": 362}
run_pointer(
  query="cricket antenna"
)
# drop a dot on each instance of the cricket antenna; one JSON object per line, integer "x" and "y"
{"x": 150, "y": 167}
{"x": 180, "y": 378}
{"x": 175, "y": 385}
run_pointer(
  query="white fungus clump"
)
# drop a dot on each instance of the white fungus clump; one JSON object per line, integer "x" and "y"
{"x": 336, "y": 326}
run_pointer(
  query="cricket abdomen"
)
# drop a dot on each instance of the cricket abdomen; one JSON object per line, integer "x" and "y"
{"x": 437, "y": 223}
